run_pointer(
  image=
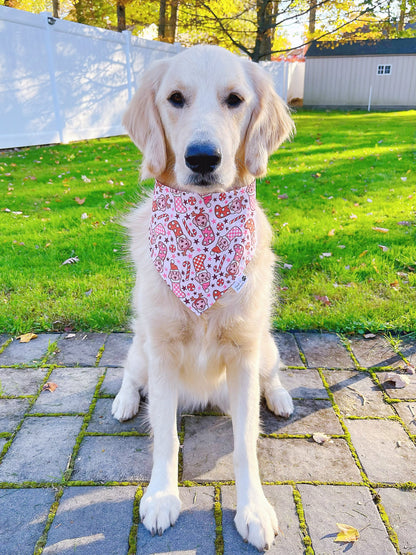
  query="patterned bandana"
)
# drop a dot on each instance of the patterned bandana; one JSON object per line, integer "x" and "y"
{"x": 201, "y": 244}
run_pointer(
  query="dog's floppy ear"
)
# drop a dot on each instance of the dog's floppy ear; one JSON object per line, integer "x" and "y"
{"x": 270, "y": 122}
{"x": 142, "y": 121}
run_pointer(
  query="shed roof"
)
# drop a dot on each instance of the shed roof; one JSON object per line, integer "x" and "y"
{"x": 362, "y": 48}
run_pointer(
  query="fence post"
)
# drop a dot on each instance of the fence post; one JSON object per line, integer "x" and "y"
{"x": 127, "y": 43}
{"x": 369, "y": 98}
{"x": 49, "y": 22}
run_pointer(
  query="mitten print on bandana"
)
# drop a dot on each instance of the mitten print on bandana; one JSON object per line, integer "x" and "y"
{"x": 201, "y": 244}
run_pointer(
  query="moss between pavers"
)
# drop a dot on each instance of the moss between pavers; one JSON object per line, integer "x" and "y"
{"x": 82, "y": 432}
{"x": 132, "y": 433}
{"x": 5, "y": 344}
{"x": 135, "y": 524}
{"x": 52, "y": 347}
{"x": 302, "y": 523}
{"x": 371, "y": 417}
{"x": 344, "y": 340}
{"x": 344, "y": 427}
{"x": 383, "y": 515}
{"x": 275, "y": 435}
{"x": 99, "y": 354}
{"x": 219, "y": 539}
{"x": 40, "y": 544}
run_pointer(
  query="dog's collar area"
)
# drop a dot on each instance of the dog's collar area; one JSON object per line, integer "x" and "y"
{"x": 201, "y": 243}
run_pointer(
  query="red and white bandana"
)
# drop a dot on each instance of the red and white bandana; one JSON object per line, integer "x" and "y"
{"x": 201, "y": 244}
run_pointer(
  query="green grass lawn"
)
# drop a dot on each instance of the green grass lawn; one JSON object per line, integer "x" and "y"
{"x": 341, "y": 198}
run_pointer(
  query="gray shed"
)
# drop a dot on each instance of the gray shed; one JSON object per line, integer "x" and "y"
{"x": 380, "y": 74}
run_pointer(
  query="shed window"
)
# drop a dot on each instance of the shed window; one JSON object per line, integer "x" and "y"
{"x": 384, "y": 70}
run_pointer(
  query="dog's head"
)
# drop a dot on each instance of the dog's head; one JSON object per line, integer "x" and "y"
{"x": 206, "y": 119}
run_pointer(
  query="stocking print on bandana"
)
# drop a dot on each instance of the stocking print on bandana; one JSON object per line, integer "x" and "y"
{"x": 201, "y": 244}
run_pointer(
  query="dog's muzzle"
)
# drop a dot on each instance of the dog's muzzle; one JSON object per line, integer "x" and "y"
{"x": 202, "y": 158}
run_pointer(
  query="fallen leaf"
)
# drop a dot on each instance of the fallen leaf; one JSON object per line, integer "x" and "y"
{"x": 369, "y": 335}
{"x": 320, "y": 438}
{"x": 410, "y": 369}
{"x": 26, "y": 337}
{"x": 380, "y": 229}
{"x": 284, "y": 196}
{"x": 323, "y": 299}
{"x": 79, "y": 200}
{"x": 348, "y": 533}
{"x": 49, "y": 386}
{"x": 325, "y": 255}
{"x": 404, "y": 223}
{"x": 85, "y": 179}
{"x": 398, "y": 380}
{"x": 71, "y": 260}
{"x": 363, "y": 253}
{"x": 331, "y": 233}
{"x": 383, "y": 248}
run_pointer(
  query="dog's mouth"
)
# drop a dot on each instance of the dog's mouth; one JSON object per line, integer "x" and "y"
{"x": 204, "y": 180}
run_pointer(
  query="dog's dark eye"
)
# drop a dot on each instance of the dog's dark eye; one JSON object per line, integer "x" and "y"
{"x": 233, "y": 100}
{"x": 177, "y": 99}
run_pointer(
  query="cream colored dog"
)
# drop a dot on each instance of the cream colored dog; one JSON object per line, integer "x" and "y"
{"x": 206, "y": 121}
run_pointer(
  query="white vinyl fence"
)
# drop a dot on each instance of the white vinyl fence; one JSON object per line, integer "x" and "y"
{"x": 61, "y": 81}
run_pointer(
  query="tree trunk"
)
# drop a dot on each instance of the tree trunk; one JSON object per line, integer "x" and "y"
{"x": 121, "y": 16}
{"x": 55, "y": 7}
{"x": 266, "y": 26}
{"x": 162, "y": 20}
{"x": 312, "y": 16}
{"x": 170, "y": 30}
{"x": 402, "y": 15}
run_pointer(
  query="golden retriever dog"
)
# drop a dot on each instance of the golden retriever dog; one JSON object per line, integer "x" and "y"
{"x": 205, "y": 121}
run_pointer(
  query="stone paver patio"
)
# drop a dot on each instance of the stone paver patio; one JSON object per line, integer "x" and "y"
{"x": 72, "y": 477}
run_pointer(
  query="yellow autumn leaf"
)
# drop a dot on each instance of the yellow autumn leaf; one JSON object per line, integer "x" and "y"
{"x": 26, "y": 337}
{"x": 348, "y": 533}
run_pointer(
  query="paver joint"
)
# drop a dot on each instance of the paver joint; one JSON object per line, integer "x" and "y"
{"x": 72, "y": 477}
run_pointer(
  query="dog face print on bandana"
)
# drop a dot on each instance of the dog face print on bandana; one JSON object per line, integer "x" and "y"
{"x": 201, "y": 244}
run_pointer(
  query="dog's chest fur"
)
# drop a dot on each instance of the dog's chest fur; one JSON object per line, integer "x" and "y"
{"x": 201, "y": 345}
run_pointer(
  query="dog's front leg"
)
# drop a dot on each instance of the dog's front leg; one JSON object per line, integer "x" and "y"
{"x": 255, "y": 519}
{"x": 160, "y": 506}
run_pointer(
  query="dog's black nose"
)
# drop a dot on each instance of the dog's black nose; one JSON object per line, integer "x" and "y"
{"x": 202, "y": 157}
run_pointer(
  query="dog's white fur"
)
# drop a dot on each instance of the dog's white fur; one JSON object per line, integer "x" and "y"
{"x": 226, "y": 356}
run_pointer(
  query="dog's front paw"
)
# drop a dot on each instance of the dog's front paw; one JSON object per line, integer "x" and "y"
{"x": 126, "y": 404}
{"x": 159, "y": 510}
{"x": 280, "y": 402}
{"x": 256, "y": 522}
